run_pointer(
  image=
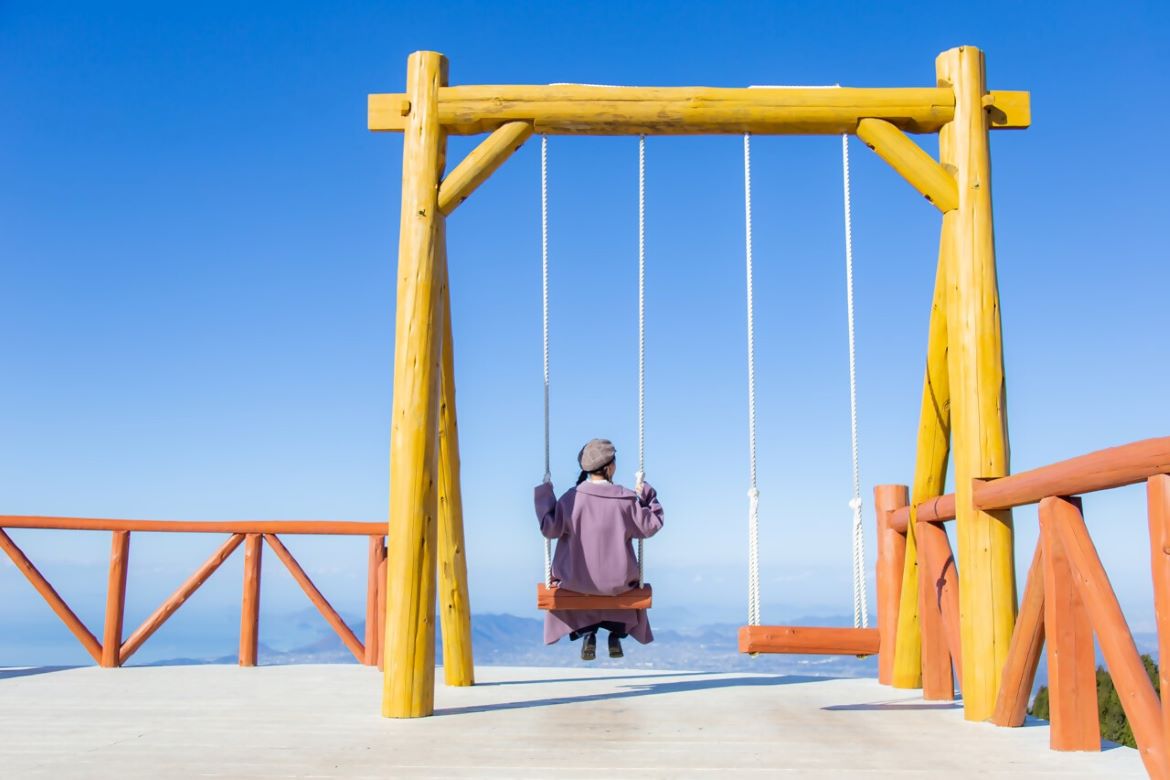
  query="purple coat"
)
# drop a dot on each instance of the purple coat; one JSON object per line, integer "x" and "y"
{"x": 594, "y": 525}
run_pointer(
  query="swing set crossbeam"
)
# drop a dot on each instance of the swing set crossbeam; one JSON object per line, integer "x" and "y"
{"x": 575, "y": 109}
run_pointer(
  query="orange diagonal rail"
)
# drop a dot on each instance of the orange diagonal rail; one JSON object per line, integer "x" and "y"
{"x": 72, "y": 622}
{"x": 168, "y": 607}
{"x": 319, "y": 601}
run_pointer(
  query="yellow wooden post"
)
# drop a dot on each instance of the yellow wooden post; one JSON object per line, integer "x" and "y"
{"x": 409, "y": 682}
{"x": 987, "y": 587}
{"x": 930, "y": 473}
{"x": 454, "y": 602}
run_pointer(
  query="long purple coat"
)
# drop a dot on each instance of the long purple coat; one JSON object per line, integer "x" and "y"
{"x": 594, "y": 525}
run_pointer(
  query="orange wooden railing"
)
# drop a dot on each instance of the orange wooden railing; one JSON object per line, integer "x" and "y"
{"x": 112, "y": 650}
{"x": 1067, "y": 599}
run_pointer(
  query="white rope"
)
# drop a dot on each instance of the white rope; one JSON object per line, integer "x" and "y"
{"x": 860, "y": 600}
{"x": 544, "y": 321}
{"x": 641, "y": 474}
{"x": 753, "y": 489}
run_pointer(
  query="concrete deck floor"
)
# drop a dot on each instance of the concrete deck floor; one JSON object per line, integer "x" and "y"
{"x": 322, "y": 721}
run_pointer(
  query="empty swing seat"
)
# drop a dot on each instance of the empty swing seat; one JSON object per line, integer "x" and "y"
{"x": 561, "y": 598}
{"x": 808, "y": 640}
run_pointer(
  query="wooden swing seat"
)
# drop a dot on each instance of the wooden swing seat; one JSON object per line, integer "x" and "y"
{"x": 561, "y": 598}
{"x": 808, "y": 640}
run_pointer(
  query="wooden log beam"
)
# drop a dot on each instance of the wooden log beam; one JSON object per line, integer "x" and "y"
{"x": 560, "y": 598}
{"x": 919, "y": 651}
{"x": 381, "y": 654}
{"x": 408, "y": 689}
{"x": 808, "y": 640}
{"x": 891, "y": 560}
{"x": 319, "y": 601}
{"x": 1115, "y": 467}
{"x": 115, "y": 599}
{"x": 1072, "y": 674}
{"x": 573, "y": 109}
{"x": 917, "y": 167}
{"x": 978, "y": 416}
{"x": 1019, "y": 673}
{"x": 481, "y": 163}
{"x": 1121, "y": 654}
{"x": 250, "y": 601}
{"x": 1158, "y": 501}
{"x": 179, "y": 597}
{"x": 942, "y": 608}
{"x": 314, "y": 527}
{"x": 454, "y": 598}
{"x": 932, "y": 510}
{"x": 50, "y": 595}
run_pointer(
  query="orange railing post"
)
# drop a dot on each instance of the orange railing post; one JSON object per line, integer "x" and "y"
{"x": 1072, "y": 677}
{"x": 377, "y": 553}
{"x": 1158, "y": 496}
{"x": 891, "y": 559}
{"x": 116, "y": 599}
{"x": 1121, "y": 655}
{"x": 937, "y": 568}
{"x": 250, "y": 602}
{"x": 382, "y": 608}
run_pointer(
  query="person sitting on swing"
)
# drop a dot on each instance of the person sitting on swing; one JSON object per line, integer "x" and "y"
{"x": 594, "y": 524}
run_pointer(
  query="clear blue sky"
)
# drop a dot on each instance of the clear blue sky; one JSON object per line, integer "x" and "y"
{"x": 197, "y": 249}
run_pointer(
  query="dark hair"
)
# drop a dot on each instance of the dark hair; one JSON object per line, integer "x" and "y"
{"x": 584, "y": 475}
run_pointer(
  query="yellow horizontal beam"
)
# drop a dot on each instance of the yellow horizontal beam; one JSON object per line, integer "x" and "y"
{"x": 909, "y": 159}
{"x": 573, "y": 109}
{"x": 481, "y": 163}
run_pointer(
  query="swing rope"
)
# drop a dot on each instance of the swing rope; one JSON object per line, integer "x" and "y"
{"x": 860, "y": 600}
{"x": 753, "y": 489}
{"x": 640, "y": 475}
{"x": 544, "y": 318}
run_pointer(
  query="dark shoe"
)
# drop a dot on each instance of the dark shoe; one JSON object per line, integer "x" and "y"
{"x": 589, "y": 647}
{"x": 615, "y": 647}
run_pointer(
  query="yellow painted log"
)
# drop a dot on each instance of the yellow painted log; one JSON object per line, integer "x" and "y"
{"x": 572, "y": 109}
{"x": 930, "y": 473}
{"x": 409, "y": 680}
{"x": 917, "y": 167}
{"x": 481, "y": 163}
{"x": 454, "y": 602}
{"x": 987, "y": 586}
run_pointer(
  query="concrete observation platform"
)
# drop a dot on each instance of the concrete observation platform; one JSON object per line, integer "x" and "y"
{"x": 323, "y": 721}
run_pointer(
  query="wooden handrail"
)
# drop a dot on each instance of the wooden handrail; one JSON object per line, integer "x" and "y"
{"x": 318, "y": 527}
{"x": 1105, "y": 469}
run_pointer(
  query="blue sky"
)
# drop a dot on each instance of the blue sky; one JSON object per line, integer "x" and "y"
{"x": 197, "y": 249}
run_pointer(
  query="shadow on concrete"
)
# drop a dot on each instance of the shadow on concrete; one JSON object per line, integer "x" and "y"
{"x": 893, "y": 706}
{"x": 599, "y": 678}
{"x": 29, "y": 671}
{"x": 651, "y": 689}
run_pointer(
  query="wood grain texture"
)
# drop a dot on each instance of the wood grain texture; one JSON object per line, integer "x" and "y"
{"x": 115, "y": 599}
{"x": 1019, "y": 673}
{"x": 979, "y": 448}
{"x": 808, "y": 640}
{"x": 561, "y": 598}
{"x": 454, "y": 597}
{"x": 156, "y": 619}
{"x": 1158, "y": 502}
{"x": 408, "y": 689}
{"x": 918, "y": 168}
{"x": 1113, "y": 635}
{"x": 250, "y": 600}
{"x": 376, "y": 553}
{"x": 573, "y": 109}
{"x": 50, "y": 595}
{"x": 481, "y": 163}
{"x": 1072, "y": 676}
{"x": 891, "y": 558}
{"x": 348, "y": 638}
{"x": 312, "y": 527}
